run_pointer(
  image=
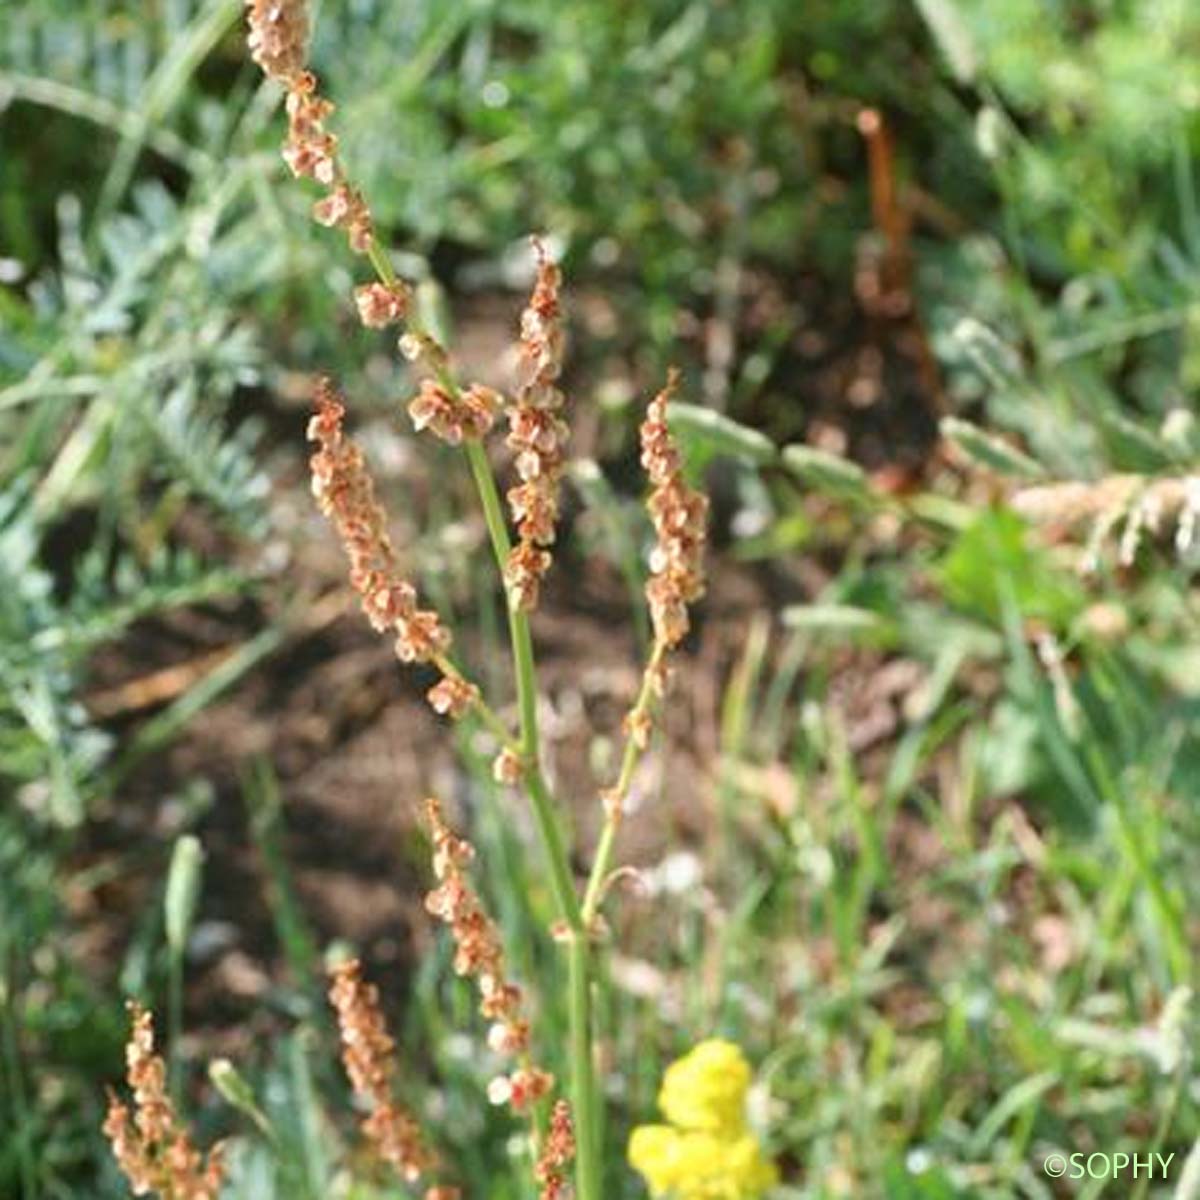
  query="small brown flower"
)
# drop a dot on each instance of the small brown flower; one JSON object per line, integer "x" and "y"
{"x": 520, "y": 1090}
{"x": 368, "y": 1054}
{"x": 151, "y": 1145}
{"x": 380, "y": 304}
{"x": 309, "y": 151}
{"x": 507, "y": 767}
{"x": 452, "y": 415}
{"x": 344, "y": 208}
{"x": 452, "y": 696}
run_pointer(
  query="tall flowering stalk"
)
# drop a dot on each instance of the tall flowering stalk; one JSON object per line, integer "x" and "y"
{"x": 537, "y": 434}
{"x": 368, "y": 1054}
{"x": 151, "y": 1144}
{"x": 478, "y": 953}
{"x": 463, "y": 416}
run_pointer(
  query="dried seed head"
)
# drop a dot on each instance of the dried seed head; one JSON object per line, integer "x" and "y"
{"x": 368, "y": 1054}
{"x": 381, "y": 304}
{"x": 344, "y": 208}
{"x": 507, "y": 767}
{"x": 452, "y": 696}
{"x": 537, "y": 434}
{"x": 454, "y": 416}
{"x": 151, "y": 1145}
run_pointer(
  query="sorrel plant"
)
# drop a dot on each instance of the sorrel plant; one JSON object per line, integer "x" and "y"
{"x": 463, "y": 415}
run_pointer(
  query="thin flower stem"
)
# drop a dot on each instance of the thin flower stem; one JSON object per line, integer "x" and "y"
{"x": 585, "y": 1095}
{"x": 594, "y": 892}
{"x": 381, "y": 263}
{"x": 522, "y": 646}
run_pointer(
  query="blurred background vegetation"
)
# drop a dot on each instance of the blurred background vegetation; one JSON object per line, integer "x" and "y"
{"x": 941, "y": 886}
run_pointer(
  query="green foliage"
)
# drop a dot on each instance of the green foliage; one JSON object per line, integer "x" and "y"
{"x": 952, "y": 922}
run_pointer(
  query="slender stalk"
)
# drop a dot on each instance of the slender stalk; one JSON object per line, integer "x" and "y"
{"x": 584, "y": 1093}
{"x": 629, "y": 760}
{"x": 175, "y": 1022}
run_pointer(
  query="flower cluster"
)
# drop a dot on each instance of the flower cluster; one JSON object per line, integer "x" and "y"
{"x": 537, "y": 434}
{"x": 368, "y": 1056}
{"x": 382, "y": 304}
{"x": 453, "y": 415}
{"x": 345, "y": 493}
{"x": 152, "y": 1147}
{"x": 679, "y": 513}
{"x": 278, "y": 40}
{"x": 707, "y": 1152}
{"x": 479, "y": 954}
{"x": 557, "y": 1151}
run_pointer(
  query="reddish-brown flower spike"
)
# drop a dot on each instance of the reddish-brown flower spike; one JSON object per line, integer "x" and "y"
{"x": 368, "y": 1054}
{"x": 537, "y": 434}
{"x": 478, "y": 953}
{"x": 278, "y": 40}
{"x": 151, "y": 1145}
{"x": 679, "y": 514}
{"x": 557, "y": 1152}
{"x": 345, "y": 493}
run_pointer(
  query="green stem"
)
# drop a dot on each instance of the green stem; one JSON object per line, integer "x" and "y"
{"x": 175, "y": 1022}
{"x": 585, "y": 1096}
{"x": 583, "y": 1091}
{"x": 594, "y": 892}
{"x": 522, "y": 646}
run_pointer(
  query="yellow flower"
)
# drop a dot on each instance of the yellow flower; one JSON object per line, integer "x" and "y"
{"x": 707, "y": 1152}
{"x": 695, "y": 1165}
{"x": 706, "y": 1089}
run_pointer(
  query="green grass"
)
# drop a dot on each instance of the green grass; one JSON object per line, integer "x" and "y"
{"x": 944, "y": 896}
